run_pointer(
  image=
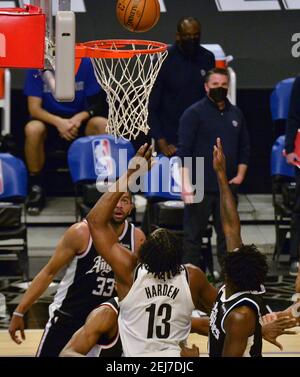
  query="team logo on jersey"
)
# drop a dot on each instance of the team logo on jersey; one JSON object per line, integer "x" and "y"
{"x": 223, "y": 308}
{"x": 213, "y": 317}
{"x": 203, "y": 72}
{"x": 99, "y": 266}
{"x": 235, "y": 123}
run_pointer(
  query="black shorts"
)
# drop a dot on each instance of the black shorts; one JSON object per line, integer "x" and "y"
{"x": 58, "y": 331}
{"x": 55, "y": 142}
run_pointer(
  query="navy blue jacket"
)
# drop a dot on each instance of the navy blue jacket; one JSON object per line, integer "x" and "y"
{"x": 293, "y": 122}
{"x": 200, "y": 125}
{"x": 179, "y": 84}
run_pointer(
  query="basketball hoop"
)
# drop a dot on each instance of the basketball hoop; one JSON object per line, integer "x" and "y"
{"x": 126, "y": 70}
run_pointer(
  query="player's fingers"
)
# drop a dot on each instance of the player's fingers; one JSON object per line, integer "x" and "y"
{"x": 196, "y": 349}
{"x": 277, "y": 344}
{"x": 23, "y": 334}
{"x": 142, "y": 150}
{"x": 14, "y": 337}
{"x": 148, "y": 153}
{"x": 288, "y": 332}
{"x": 285, "y": 322}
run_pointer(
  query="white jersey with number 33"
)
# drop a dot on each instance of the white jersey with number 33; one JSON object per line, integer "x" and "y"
{"x": 155, "y": 315}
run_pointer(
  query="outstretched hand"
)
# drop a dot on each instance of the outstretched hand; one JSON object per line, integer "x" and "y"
{"x": 189, "y": 352}
{"x": 276, "y": 327}
{"x": 219, "y": 158}
{"x": 17, "y": 325}
{"x": 142, "y": 161}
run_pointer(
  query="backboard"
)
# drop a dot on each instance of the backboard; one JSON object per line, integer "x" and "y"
{"x": 29, "y": 38}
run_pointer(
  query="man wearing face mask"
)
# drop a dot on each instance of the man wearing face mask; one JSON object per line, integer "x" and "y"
{"x": 179, "y": 84}
{"x": 213, "y": 116}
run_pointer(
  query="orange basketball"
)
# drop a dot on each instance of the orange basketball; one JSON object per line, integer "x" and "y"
{"x": 138, "y": 15}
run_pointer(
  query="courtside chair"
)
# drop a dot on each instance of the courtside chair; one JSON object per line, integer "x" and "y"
{"x": 165, "y": 208}
{"x": 94, "y": 159}
{"x": 280, "y": 99}
{"x": 13, "y": 229}
{"x": 279, "y": 105}
{"x": 282, "y": 174}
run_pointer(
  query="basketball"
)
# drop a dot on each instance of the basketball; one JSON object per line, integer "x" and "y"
{"x": 138, "y": 15}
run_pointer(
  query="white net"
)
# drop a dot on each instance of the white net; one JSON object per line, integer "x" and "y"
{"x": 128, "y": 83}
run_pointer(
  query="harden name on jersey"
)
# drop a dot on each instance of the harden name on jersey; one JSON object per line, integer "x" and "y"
{"x": 161, "y": 290}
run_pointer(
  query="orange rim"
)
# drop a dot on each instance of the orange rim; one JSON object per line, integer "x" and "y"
{"x": 102, "y": 48}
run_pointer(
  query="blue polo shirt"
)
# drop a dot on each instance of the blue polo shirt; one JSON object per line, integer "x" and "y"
{"x": 199, "y": 127}
{"x": 179, "y": 84}
{"x": 86, "y": 85}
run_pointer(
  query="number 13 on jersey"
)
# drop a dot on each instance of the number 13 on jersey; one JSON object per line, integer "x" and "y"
{"x": 162, "y": 313}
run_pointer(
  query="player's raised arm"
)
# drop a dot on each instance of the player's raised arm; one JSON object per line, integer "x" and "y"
{"x": 229, "y": 214}
{"x": 104, "y": 238}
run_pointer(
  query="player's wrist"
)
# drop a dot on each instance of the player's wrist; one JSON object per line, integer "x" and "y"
{"x": 18, "y": 314}
{"x": 91, "y": 113}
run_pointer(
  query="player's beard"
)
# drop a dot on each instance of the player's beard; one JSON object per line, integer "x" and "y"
{"x": 120, "y": 220}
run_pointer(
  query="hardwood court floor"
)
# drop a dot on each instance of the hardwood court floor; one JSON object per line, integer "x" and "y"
{"x": 291, "y": 344}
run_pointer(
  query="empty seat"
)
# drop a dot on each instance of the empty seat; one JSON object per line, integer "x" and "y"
{"x": 13, "y": 230}
{"x": 94, "y": 161}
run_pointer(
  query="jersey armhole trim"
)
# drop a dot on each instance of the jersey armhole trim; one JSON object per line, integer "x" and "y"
{"x": 132, "y": 237}
{"x": 82, "y": 255}
{"x": 111, "y": 306}
{"x": 187, "y": 274}
{"x": 234, "y": 305}
{"x": 136, "y": 271}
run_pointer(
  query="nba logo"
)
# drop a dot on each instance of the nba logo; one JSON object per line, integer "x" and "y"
{"x": 1, "y": 179}
{"x": 175, "y": 177}
{"x": 102, "y": 158}
{"x": 2, "y": 46}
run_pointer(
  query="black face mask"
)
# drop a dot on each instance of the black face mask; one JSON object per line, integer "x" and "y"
{"x": 218, "y": 94}
{"x": 189, "y": 46}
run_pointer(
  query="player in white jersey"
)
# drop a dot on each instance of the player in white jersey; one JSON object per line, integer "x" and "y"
{"x": 159, "y": 308}
{"x": 88, "y": 280}
{"x": 157, "y": 298}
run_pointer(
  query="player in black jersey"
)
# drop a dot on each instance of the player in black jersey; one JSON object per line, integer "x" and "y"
{"x": 99, "y": 336}
{"x": 88, "y": 280}
{"x": 235, "y": 327}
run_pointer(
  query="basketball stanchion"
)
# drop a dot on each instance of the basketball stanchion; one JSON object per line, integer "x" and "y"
{"x": 126, "y": 70}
